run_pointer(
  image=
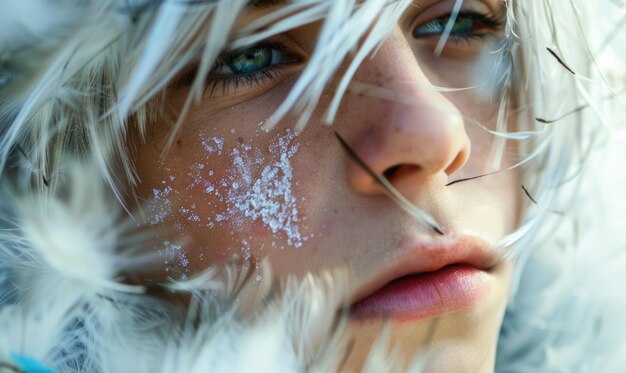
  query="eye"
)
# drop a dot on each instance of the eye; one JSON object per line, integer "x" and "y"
{"x": 253, "y": 60}
{"x": 245, "y": 62}
{"x": 248, "y": 70}
{"x": 465, "y": 25}
{"x": 252, "y": 70}
{"x": 437, "y": 26}
{"x": 470, "y": 35}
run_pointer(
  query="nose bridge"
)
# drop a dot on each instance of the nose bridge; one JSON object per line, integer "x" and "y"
{"x": 408, "y": 125}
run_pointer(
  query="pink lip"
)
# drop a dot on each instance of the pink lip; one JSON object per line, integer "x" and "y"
{"x": 427, "y": 279}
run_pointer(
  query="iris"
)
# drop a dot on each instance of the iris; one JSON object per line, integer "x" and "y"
{"x": 251, "y": 60}
{"x": 463, "y": 25}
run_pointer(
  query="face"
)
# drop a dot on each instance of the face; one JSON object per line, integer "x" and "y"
{"x": 229, "y": 189}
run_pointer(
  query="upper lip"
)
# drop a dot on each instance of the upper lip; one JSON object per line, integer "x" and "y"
{"x": 420, "y": 256}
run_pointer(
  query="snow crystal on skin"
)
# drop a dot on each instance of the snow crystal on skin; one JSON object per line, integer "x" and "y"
{"x": 212, "y": 145}
{"x": 265, "y": 197}
{"x": 268, "y": 198}
{"x": 159, "y": 206}
{"x": 243, "y": 164}
{"x": 189, "y": 214}
{"x": 249, "y": 258}
{"x": 195, "y": 174}
{"x": 176, "y": 261}
{"x": 247, "y": 252}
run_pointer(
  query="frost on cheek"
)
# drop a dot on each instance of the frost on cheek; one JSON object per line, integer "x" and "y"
{"x": 176, "y": 261}
{"x": 212, "y": 145}
{"x": 267, "y": 196}
{"x": 160, "y": 206}
{"x": 254, "y": 187}
{"x": 189, "y": 213}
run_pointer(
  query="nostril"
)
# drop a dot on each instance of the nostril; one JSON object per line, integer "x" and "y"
{"x": 397, "y": 172}
{"x": 388, "y": 173}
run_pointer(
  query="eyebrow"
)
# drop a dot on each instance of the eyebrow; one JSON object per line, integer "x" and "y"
{"x": 262, "y": 4}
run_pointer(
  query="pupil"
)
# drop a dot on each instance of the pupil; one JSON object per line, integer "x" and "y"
{"x": 251, "y": 60}
{"x": 462, "y": 25}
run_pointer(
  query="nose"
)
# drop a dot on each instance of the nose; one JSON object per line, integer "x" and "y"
{"x": 404, "y": 132}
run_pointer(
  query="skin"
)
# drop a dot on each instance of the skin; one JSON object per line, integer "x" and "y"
{"x": 344, "y": 218}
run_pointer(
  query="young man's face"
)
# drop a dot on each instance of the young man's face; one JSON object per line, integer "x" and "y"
{"x": 229, "y": 189}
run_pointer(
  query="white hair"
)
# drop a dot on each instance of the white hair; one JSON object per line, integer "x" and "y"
{"x": 78, "y": 77}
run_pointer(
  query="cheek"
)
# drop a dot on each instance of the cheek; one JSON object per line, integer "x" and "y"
{"x": 232, "y": 198}
{"x": 496, "y": 198}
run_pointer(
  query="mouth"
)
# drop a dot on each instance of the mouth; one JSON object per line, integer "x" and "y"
{"x": 428, "y": 279}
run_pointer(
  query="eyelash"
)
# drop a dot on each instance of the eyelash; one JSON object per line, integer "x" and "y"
{"x": 489, "y": 21}
{"x": 231, "y": 82}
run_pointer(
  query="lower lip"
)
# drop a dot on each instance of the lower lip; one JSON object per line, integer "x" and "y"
{"x": 425, "y": 295}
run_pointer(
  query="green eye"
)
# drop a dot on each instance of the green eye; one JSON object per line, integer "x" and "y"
{"x": 251, "y": 67}
{"x": 251, "y": 60}
{"x": 463, "y": 25}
